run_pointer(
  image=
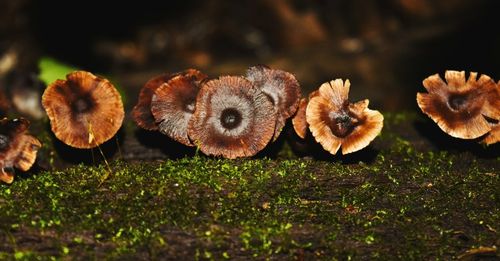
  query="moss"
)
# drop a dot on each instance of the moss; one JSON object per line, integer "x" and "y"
{"x": 404, "y": 204}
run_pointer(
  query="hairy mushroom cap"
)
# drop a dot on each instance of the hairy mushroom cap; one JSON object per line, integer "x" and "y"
{"x": 84, "y": 110}
{"x": 232, "y": 119}
{"x": 17, "y": 148}
{"x": 334, "y": 122}
{"x": 281, "y": 88}
{"x": 458, "y": 106}
{"x": 173, "y": 104}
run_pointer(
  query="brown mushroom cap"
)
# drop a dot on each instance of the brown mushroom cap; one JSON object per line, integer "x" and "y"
{"x": 141, "y": 113}
{"x": 299, "y": 120}
{"x": 281, "y": 88}
{"x": 84, "y": 110}
{"x": 232, "y": 119}
{"x": 334, "y": 122}
{"x": 17, "y": 148}
{"x": 458, "y": 105}
{"x": 173, "y": 104}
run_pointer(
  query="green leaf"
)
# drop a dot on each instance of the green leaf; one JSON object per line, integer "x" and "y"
{"x": 52, "y": 69}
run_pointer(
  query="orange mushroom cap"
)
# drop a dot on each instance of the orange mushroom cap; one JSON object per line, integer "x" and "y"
{"x": 232, "y": 119}
{"x": 17, "y": 148}
{"x": 334, "y": 122}
{"x": 458, "y": 106}
{"x": 84, "y": 110}
{"x": 299, "y": 121}
{"x": 173, "y": 104}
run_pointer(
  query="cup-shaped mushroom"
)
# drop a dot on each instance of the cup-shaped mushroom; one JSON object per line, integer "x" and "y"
{"x": 334, "y": 122}
{"x": 174, "y": 103}
{"x": 232, "y": 119}
{"x": 18, "y": 149}
{"x": 458, "y": 106}
{"x": 84, "y": 110}
{"x": 281, "y": 88}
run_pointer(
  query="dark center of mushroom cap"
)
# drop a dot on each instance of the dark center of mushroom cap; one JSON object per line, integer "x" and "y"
{"x": 82, "y": 105}
{"x": 230, "y": 118}
{"x": 4, "y": 141}
{"x": 457, "y": 102}
{"x": 342, "y": 124}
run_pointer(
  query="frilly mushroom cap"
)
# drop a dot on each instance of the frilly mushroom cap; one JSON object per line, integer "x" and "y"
{"x": 232, "y": 119}
{"x": 173, "y": 104}
{"x": 299, "y": 121}
{"x": 84, "y": 110}
{"x": 334, "y": 122}
{"x": 281, "y": 88}
{"x": 17, "y": 148}
{"x": 458, "y": 106}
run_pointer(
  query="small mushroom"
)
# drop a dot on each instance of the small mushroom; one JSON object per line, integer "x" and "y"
{"x": 458, "y": 106}
{"x": 334, "y": 122}
{"x": 233, "y": 118}
{"x": 299, "y": 120}
{"x": 84, "y": 110}
{"x": 281, "y": 88}
{"x": 18, "y": 149}
{"x": 141, "y": 113}
{"x": 173, "y": 104}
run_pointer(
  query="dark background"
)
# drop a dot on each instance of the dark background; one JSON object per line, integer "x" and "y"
{"x": 386, "y": 48}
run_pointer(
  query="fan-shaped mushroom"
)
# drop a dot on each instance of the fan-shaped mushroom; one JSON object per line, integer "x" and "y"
{"x": 84, "y": 110}
{"x": 17, "y": 148}
{"x": 232, "y": 119}
{"x": 335, "y": 122}
{"x": 458, "y": 106}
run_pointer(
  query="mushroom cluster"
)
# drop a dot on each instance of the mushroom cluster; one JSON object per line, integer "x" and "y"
{"x": 334, "y": 121}
{"x": 463, "y": 108}
{"x": 230, "y": 116}
{"x": 18, "y": 149}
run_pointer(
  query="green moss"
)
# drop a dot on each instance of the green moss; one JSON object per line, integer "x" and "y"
{"x": 405, "y": 204}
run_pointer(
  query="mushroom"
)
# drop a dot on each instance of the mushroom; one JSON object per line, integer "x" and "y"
{"x": 457, "y": 106}
{"x": 17, "y": 148}
{"x": 141, "y": 113}
{"x": 173, "y": 104}
{"x": 281, "y": 88}
{"x": 299, "y": 121}
{"x": 84, "y": 110}
{"x": 334, "y": 122}
{"x": 233, "y": 118}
